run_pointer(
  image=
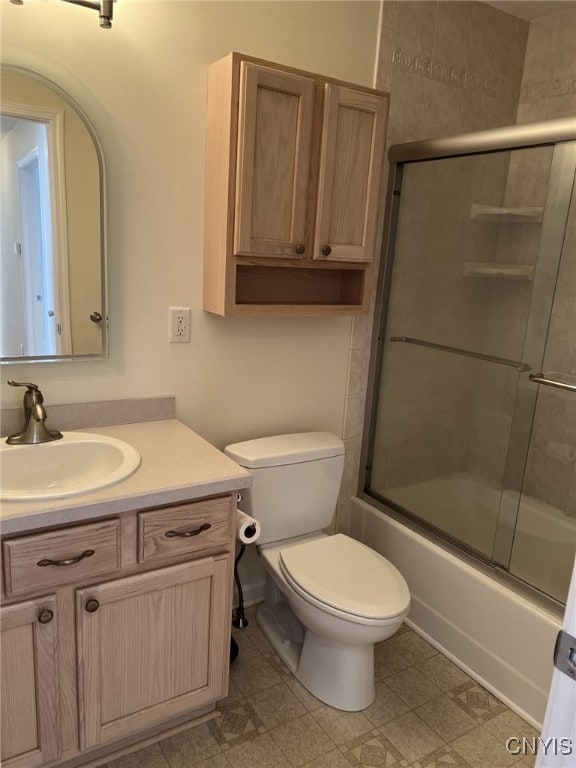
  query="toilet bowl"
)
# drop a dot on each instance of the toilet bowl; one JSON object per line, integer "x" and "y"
{"x": 328, "y": 598}
{"x": 330, "y": 649}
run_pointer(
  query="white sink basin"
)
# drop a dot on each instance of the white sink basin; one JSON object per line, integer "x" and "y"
{"x": 77, "y": 463}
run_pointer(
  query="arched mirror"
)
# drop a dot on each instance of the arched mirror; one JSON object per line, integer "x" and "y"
{"x": 53, "y": 266}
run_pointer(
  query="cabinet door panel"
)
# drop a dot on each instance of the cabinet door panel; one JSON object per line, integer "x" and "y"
{"x": 157, "y": 646}
{"x": 29, "y": 675}
{"x": 274, "y": 144}
{"x": 353, "y": 138}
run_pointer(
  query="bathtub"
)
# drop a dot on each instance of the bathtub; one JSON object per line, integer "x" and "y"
{"x": 544, "y": 544}
{"x": 469, "y": 508}
{"x": 463, "y": 505}
{"x": 496, "y": 634}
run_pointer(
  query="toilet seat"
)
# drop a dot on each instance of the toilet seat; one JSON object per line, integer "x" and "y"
{"x": 346, "y": 578}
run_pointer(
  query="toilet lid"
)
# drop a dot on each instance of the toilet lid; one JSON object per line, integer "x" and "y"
{"x": 347, "y": 575}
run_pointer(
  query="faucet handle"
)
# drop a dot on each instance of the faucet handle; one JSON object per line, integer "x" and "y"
{"x": 31, "y": 387}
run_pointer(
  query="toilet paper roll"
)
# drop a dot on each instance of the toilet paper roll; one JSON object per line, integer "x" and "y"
{"x": 247, "y": 529}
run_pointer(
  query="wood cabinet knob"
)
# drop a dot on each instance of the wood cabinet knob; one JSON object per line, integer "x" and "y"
{"x": 326, "y": 250}
{"x": 45, "y": 616}
{"x": 300, "y": 248}
{"x": 92, "y": 605}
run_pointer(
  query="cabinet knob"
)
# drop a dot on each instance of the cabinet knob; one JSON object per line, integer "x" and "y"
{"x": 300, "y": 248}
{"x": 45, "y": 616}
{"x": 96, "y": 317}
{"x": 326, "y": 250}
{"x": 92, "y": 605}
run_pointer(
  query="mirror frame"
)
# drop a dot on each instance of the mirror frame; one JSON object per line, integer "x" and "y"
{"x": 104, "y": 354}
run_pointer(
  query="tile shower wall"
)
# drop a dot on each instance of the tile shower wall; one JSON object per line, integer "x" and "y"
{"x": 450, "y": 67}
{"x": 549, "y": 77}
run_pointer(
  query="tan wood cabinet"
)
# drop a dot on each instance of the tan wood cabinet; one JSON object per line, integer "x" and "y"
{"x": 112, "y": 657}
{"x": 274, "y": 149}
{"x": 293, "y": 183}
{"x": 150, "y": 648}
{"x": 29, "y": 683}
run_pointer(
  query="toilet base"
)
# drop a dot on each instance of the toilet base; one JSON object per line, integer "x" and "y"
{"x": 339, "y": 674}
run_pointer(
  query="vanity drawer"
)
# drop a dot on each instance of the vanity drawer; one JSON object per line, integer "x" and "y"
{"x": 187, "y": 528}
{"x": 46, "y": 559}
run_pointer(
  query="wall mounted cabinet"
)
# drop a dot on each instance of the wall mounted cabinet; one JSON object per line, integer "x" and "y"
{"x": 293, "y": 183}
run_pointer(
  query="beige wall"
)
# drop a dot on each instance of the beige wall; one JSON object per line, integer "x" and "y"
{"x": 143, "y": 84}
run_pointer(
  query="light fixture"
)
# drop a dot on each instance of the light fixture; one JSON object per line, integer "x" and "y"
{"x": 104, "y": 8}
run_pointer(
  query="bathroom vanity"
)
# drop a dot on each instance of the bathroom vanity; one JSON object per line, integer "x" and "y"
{"x": 116, "y": 604}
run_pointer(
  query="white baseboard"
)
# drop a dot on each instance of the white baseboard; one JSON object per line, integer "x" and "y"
{"x": 253, "y": 594}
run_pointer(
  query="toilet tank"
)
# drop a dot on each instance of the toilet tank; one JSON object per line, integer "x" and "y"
{"x": 295, "y": 482}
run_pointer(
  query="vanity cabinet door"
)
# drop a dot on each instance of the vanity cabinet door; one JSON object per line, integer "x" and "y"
{"x": 353, "y": 139}
{"x": 29, "y": 683}
{"x": 151, "y": 647}
{"x": 274, "y": 145}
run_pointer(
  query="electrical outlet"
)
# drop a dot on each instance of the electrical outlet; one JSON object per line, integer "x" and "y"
{"x": 179, "y": 324}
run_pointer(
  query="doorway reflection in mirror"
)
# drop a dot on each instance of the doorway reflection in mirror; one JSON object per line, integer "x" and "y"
{"x": 52, "y": 267}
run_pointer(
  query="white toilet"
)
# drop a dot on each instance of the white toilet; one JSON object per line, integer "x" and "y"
{"x": 328, "y": 598}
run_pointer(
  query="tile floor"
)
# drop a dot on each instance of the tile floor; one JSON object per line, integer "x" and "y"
{"x": 427, "y": 714}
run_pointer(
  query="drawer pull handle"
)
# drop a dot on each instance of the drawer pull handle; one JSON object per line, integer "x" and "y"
{"x": 187, "y": 534}
{"x": 92, "y": 605}
{"x": 70, "y": 561}
{"x": 326, "y": 250}
{"x": 45, "y": 616}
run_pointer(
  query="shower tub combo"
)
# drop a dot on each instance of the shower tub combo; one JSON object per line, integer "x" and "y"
{"x": 470, "y": 484}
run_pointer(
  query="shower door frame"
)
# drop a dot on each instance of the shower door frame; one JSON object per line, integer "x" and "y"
{"x": 530, "y": 135}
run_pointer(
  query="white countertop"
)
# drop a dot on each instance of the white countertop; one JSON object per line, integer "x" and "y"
{"x": 176, "y": 465}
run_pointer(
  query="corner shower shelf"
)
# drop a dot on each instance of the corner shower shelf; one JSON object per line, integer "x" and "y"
{"x": 523, "y": 272}
{"x": 524, "y": 215}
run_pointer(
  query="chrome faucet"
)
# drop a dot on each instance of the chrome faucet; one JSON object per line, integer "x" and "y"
{"x": 34, "y": 429}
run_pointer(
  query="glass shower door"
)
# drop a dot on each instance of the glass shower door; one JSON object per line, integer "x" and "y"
{"x": 466, "y": 297}
{"x": 544, "y": 541}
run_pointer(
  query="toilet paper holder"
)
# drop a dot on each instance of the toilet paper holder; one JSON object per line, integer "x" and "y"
{"x": 247, "y": 531}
